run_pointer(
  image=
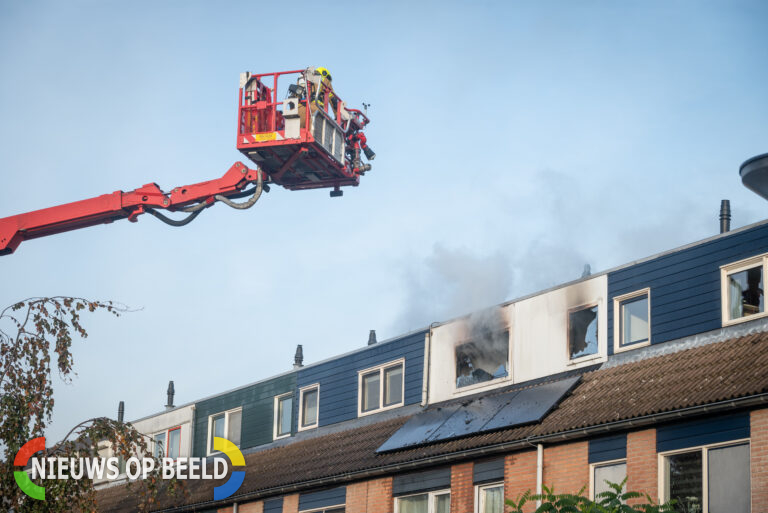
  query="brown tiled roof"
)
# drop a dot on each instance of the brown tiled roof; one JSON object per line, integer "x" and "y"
{"x": 736, "y": 368}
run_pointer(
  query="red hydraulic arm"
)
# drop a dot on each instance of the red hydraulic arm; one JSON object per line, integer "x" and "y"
{"x": 191, "y": 199}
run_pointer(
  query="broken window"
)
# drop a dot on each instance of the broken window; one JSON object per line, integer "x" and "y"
{"x": 582, "y": 332}
{"x": 482, "y": 359}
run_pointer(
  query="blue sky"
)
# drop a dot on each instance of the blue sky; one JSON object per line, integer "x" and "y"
{"x": 515, "y": 141}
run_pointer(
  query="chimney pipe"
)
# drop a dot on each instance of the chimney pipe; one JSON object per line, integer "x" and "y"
{"x": 725, "y": 216}
{"x": 120, "y": 411}
{"x": 372, "y": 338}
{"x": 298, "y": 358}
{"x": 171, "y": 392}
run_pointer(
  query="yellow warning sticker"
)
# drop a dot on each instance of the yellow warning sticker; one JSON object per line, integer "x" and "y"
{"x": 268, "y": 136}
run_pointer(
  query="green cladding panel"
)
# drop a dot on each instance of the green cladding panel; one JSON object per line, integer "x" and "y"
{"x": 257, "y": 401}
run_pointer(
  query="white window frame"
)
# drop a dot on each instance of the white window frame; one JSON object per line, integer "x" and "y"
{"x": 430, "y": 498}
{"x": 302, "y": 391}
{"x": 479, "y": 501}
{"x": 618, "y": 332}
{"x": 276, "y": 420}
{"x": 741, "y": 265}
{"x": 324, "y": 509}
{"x": 164, "y": 442}
{"x": 226, "y": 413}
{"x": 380, "y": 368}
{"x": 587, "y": 357}
{"x": 704, "y": 449}
{"x": 596, "y": 465}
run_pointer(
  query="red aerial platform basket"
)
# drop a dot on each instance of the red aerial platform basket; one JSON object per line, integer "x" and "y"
{"x": 309, "y": 139}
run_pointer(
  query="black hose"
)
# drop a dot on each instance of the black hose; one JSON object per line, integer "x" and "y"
{"x": 173, "y": 222}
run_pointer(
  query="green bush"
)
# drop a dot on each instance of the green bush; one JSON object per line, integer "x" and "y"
{"x": 612, "y": 501}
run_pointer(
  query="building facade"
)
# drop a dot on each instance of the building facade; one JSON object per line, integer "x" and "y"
{"x": 655, "y": 372}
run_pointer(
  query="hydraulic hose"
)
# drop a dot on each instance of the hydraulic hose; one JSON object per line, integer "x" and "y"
{"x": 195, "y": 210}
{"x": 173, "y": 222}
{"x": 245, "y": 204}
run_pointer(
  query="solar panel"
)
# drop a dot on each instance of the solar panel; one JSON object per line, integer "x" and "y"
{"x": 531, "y": 404}
{"x": 418, "y": 428}
{"x": 472, "y": 417}
{"x": 506, "y": 410}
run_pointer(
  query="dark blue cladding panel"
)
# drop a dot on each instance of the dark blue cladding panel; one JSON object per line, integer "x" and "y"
{"x": 323, "y": 498}
{"x": 487, "y": 471}
{"x": 607, "y": 448}
{"x": 273, "y": 505}
{"x": 685, "y": 285}
{"x": 414, "y": 482}
{"x": 710, "y": 430}
{"x": 338, "y": 377}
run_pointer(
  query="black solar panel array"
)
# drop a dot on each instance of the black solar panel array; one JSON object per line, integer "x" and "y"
{"x": 480, "y": 415}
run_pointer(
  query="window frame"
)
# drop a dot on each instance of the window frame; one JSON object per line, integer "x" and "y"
{"x": 227, "y": 413}
{"x": 596, "y": 465}
{"x": 168, "y": 440}
{"x": 302, "y": 391}
{"x": 586, "y": 357}
{"x": 480, "y": 487}
{"x": 618, "y": 332}
{"x": 735, "y": 267}
{"x": 703, "y": 449}
{"x": 276, "y": 419}
{"x": 381, "y": 368}
{"x": 491, "y": 382}
{"x": 343, "y": 506}
{"x": 164, "y": 442}
{"x": 430, "y": 498}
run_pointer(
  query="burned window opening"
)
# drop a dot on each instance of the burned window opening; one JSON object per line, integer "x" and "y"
{"x": 582, "y": 332}
{"x": 483, "y": 359}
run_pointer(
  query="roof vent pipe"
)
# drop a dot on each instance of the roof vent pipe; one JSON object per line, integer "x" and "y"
{"x": 725, "y": 216}
{"x": 120, "y": 411}
{"x": 298, "y": 358}
{"x": 171, "y": 392}
{"x": 372, "y": 338}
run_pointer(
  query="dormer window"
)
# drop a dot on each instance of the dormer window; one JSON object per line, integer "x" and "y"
{"x": 483, "y": 359}
{"x": 742, "y": 286}
{"x": 632, "y": 320}
{"x": 582, "y": 332}
{"x": 380, "y": 388}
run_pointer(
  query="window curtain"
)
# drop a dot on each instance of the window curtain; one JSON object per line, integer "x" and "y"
{"x": 734, "y": 299}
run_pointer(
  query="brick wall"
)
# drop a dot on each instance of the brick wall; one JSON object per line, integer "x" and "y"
{"x": 759, "y": 459}
{"x": 373, "y": 496}
{"x": 566, "y": 467}
{"x": 251, "y": 507}
{"x": 520, "y": 476}
{"x": 642, "y": 464}
{"x": 291, "y": 503}
{"x": 462, "y": 488}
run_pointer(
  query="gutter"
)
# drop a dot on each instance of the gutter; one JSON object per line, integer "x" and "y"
{"x": 502, "y": 447}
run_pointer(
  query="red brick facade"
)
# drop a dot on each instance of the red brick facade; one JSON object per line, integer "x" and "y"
{"x": 566, "y": 470}
{"x": 462, "y": 488}
{"x": 642, "y": 464}
{"x": 759, "y": 460}
{"x": 566, "y": 467}
{"x": 370, "y": 496}
{"x": 520, "y": 476}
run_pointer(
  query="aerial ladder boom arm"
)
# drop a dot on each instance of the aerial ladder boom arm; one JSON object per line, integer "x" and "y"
{"x": 191, "y": 199}
{"x": 309, "y": 140}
